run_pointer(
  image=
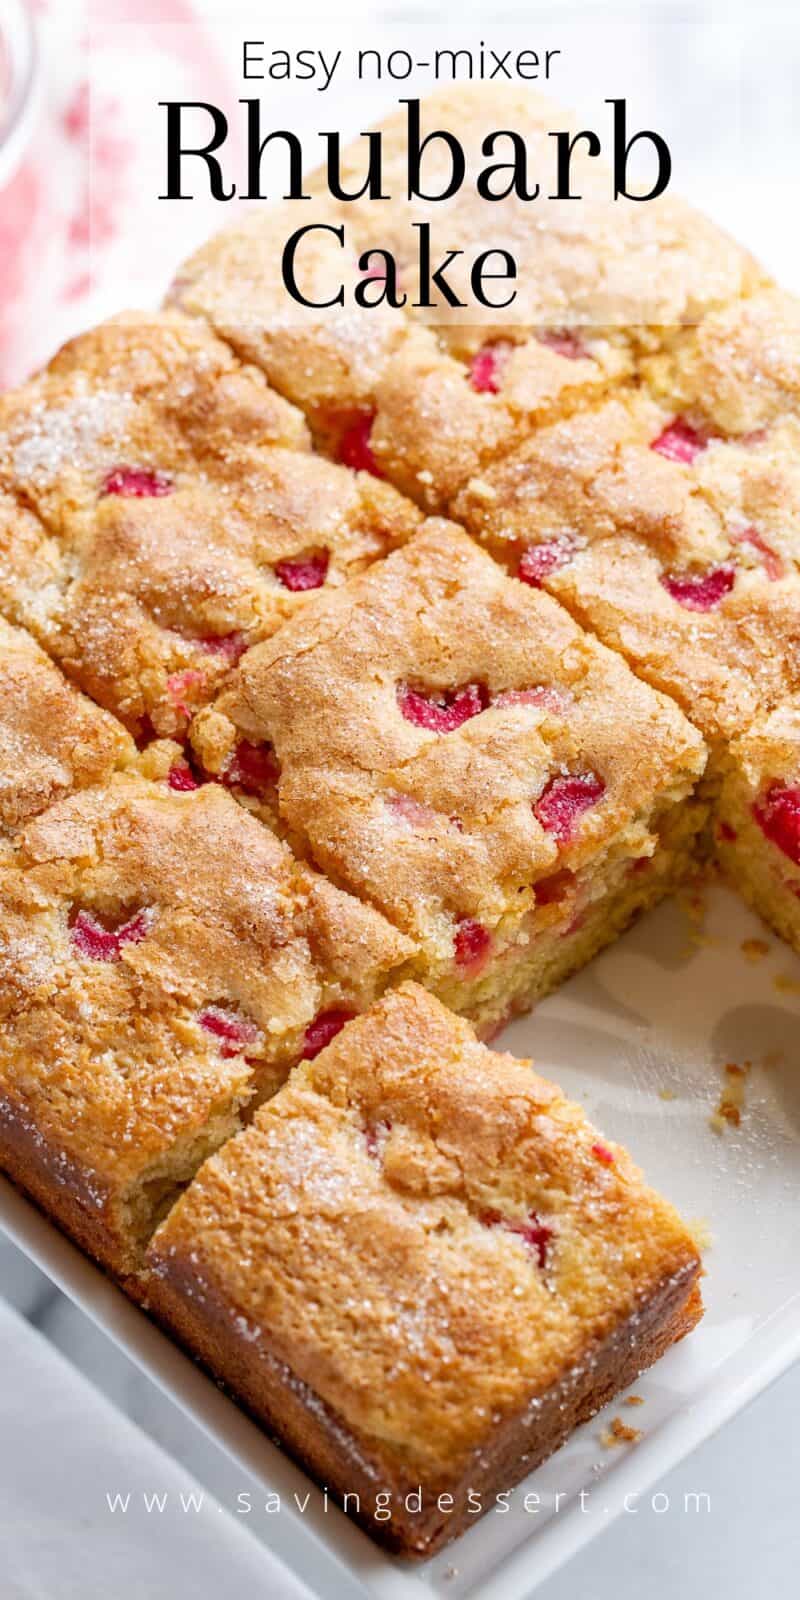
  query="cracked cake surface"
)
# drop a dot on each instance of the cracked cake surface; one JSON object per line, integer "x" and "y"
{"x": 422, "y": 1262}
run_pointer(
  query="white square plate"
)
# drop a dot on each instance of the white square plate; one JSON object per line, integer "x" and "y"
{"x": 641, "y": 1038}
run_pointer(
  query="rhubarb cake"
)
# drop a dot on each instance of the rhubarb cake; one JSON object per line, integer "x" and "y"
{"x": 170, "y": 513}
{"x": 430, "y": 394}
{"x": 163, "y": 962}
{"x": 422, "y": 1267}
{"x": 757, "y": 830}
{"x": 446, "y": 743}
{"x": 52, "y": 740}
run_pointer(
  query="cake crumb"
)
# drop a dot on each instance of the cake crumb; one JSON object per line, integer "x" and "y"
{"x": 754, "y": 949}
{"x": 667, "y": 1094}
{"x": 731, "y": 1101}
{"x": 634, "y": 1400}
{"x": 620, "y": 1433}
{"x": 786, "y": 984}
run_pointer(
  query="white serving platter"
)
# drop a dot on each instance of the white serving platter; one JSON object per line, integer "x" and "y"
{"x": 641, "y": 1038}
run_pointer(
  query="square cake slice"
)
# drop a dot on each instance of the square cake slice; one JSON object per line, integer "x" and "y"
{"x": 670, "y": 541}
{"x": 430, "y": 390}
{"x": 52, "y": 740}
{"x": 183, "y": 516}
{"x": 450, "y": 746}
{"x": 592, "y": 261}
{"x": 422, "y": 1267}
{"x": 164, "y": 961}
{"x": 757, "y": 830}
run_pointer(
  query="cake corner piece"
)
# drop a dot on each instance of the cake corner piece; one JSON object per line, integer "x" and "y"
{"x": 757, "y": 820}
{"x": 422, "y": 1268}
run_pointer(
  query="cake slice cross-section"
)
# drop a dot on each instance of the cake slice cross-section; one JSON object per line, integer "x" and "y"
{"x": 421, "y": 1267}
{"x": 451, "y": 747}
{"x": 164, "y": 961}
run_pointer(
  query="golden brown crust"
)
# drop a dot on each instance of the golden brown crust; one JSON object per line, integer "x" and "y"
{"x": 318, "y": 1438}
{"x": 433, "y": 828}
{"x": 144, "y": 1000}
{"x": 389, "y": 1322}
{"x": 331, "y": 360}
{"x": 145, "y": 390}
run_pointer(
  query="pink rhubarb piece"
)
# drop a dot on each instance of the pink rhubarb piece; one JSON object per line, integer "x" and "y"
{"x": 545, "y": 695}
{"x": 486, "y": 366}
{"x": 563, "y": 343}
{"x": 472, "y": 944}
{"x": 181, "y": 686}
{"x": 550, "y": 891}
{"x": 234, "y": 1032}
{"x": 231, "y": 646}
{"x": 354, "y": 448}
{"x": 252, "y": 767}
{"x": 564, "y": 800}
{"x": 411, "y": 811}
{"x": 770, "y": 560}
{"x": 535, "y": 1234}
{"x": 539, "y": 560}
{"x": 181, "y": 778}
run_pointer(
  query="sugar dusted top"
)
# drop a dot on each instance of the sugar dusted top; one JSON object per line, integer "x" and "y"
{"x": 425, "y": 1233}
{"x": 447, "y": 736}
{"x": 158, "y": 949}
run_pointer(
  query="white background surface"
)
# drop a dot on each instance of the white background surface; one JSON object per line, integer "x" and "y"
{"x": 61, "y": 1447}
